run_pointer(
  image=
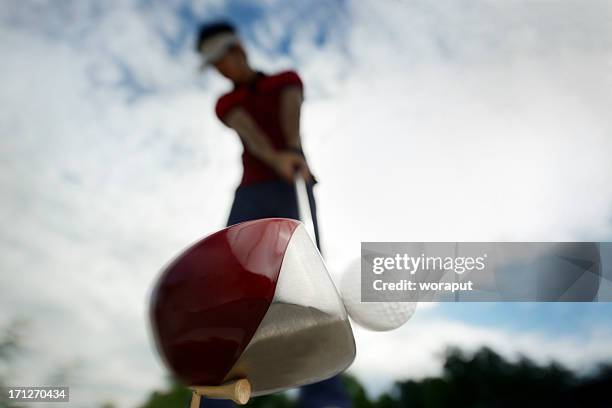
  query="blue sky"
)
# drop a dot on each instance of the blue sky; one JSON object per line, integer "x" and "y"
{"x": 451, "y": 120}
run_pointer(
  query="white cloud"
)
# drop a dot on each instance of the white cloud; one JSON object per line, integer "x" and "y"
{"x": 484, "y": 122}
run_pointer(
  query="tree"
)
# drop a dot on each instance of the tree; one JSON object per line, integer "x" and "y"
{"x": 480, "y": 379}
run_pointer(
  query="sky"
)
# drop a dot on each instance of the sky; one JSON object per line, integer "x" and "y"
{"x": 424, "y": 121}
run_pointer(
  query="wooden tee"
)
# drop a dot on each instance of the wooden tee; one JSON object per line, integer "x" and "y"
{"x": 238, "y": 391}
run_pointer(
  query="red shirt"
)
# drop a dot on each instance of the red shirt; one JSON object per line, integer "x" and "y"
{"x": 261, "y": 99}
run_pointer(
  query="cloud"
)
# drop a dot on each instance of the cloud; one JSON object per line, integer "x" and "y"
{"x": 467, "y": 123}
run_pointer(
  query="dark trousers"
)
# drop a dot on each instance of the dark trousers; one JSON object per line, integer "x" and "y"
{"x": 270, "y": 199}
{"x": 279, "y": 199}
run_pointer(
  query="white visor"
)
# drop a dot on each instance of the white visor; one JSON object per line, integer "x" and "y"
{"x": 213, "y": 48}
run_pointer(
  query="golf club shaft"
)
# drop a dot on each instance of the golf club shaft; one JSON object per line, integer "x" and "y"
{"x": 304, "y": 210}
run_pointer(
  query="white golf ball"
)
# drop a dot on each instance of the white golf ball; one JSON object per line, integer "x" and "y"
{"x": 377, "y": 316}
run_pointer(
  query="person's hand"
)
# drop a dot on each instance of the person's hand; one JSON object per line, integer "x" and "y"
{"x": 287, "y": 164}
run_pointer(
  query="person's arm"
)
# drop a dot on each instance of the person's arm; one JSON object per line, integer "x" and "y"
{"x": 284, "y": 163}
{"x": 291, "y": 106}
{"x": 290, "y": 110}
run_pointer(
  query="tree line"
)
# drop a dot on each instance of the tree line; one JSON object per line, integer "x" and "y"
{"x": 480, "y": 379}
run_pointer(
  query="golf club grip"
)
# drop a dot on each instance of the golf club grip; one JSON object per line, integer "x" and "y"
{"x": 304, "y": 210}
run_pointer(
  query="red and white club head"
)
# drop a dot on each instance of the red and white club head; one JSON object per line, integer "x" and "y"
{"x": 251, "y": 301}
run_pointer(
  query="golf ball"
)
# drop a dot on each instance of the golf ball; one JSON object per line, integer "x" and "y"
{"x": 377, "y": 316}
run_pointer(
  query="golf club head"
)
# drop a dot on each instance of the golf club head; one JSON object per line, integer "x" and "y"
{"x": 253, "y": 301}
